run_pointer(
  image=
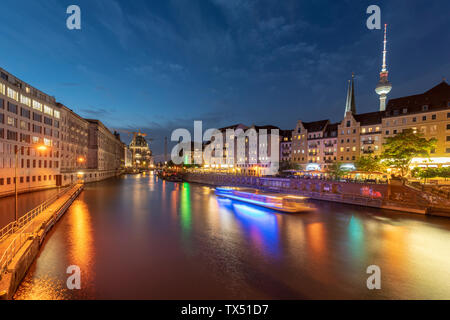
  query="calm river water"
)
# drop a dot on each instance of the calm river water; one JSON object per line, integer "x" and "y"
{"x": 138, "y": 237}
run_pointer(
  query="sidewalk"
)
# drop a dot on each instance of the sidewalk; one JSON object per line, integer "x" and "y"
{"x": 17, "y": 251}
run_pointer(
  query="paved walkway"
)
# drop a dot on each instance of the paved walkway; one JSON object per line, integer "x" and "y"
{"x": 43, "y": 218}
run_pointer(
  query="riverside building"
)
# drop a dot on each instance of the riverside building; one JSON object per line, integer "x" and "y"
{"x": 45, "y": 144}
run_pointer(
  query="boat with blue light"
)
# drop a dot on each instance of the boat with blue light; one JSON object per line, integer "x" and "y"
{"x": 275, "y": 201}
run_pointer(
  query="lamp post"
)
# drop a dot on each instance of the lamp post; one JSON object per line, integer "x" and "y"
{"x": 16, "y": 200}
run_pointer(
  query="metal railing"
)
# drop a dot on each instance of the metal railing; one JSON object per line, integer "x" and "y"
{"x": 30, "y": 215}
{"x": 26, "y": 230}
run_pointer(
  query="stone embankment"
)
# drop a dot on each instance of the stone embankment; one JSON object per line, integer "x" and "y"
{"x": 20, "y": 244}
{"x": 391, "y": 196}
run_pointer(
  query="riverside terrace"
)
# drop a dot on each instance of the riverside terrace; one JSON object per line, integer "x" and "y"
{"x": 393, "y": 195}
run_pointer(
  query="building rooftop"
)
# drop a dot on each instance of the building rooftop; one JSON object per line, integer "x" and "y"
{"x": 370, "y": 118}
{"x": 436, "y": 98}
{"x": 316, "y": 125}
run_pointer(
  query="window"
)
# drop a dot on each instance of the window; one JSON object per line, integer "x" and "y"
{"x": 48, "y": 121}
{"x": 25, "y": 100}
{"x": 25, "y": 113}
{"x": 13, "y": 94}
{"x": 424, "y": 118}
{"x": 448, "y": 126}
{"x": 425, "y": 108}
{"x": 48, "y": 110}
{"x": 387, "y": 132}
{"x": 11, "y": 135}
{"x": 57, "y": 114}
{"x": 37, "y": 105}
{"x": 12, "y": 108}
{"x": 395, "y": 132}
{"x": 2, "y": 88}
{"x": 405, "y": 110}
{"x": 12, "y": 122}
{"x": 448, "y": 138}
{"x": 448, "y": 115}
{"x": 414, "y": 119}
{"x": 348, "y": 124}
{"x": 36, "y": 128}
{"x": 433, "y": 117}
{"x": 447, "y": 150}
{"x": 2, "y": 104}
{"x": 37, "y": 117}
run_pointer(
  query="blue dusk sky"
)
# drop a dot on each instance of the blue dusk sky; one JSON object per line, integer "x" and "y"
{"x": 159, "y": 65}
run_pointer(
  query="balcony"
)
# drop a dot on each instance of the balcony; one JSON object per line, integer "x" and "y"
{"x": 329, "y": 145}
{"x": 328, "y": 161}
{"x": 313, "y": 154}
{"x": 368, "y": 142}
{"x": 367, "y": 151}
{"x": 328, "y": 153}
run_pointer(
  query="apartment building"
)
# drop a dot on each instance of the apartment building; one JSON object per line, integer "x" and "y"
{"x": 30, "y": 123}
{"x": 53, "y": 145}
{"x": 74, "y": 145}
{"x": 428, "y": 113}
{"x": 106, "y": 154}
{"x": 285, "y": 145}
{"x": 363, "y": 134}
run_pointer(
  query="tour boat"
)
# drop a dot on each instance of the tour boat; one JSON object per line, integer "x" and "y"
{"x": 279, "y": 202}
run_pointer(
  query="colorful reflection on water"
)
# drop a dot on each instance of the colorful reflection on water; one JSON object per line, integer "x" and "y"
{"x": 139, "y": 237}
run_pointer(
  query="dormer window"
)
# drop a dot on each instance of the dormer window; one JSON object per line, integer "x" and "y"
{"x": 425, "y": 107}
{"x": 348, "y": 124}
{"x": 405, "y": 110}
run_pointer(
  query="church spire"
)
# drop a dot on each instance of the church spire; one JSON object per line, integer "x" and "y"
{"x": 383, "y": 86}
{"x": 350, "y": 105}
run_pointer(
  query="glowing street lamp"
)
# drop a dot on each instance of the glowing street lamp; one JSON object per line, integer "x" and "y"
{"x": 41, "y": 148}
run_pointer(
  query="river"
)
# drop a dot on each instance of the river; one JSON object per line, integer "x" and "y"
{"x": 138, "y": 237}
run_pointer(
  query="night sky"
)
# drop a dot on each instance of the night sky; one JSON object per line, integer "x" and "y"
{"x": 160, "y": 65}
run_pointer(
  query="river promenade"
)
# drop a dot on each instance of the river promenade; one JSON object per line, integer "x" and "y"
{"x": 393, "y": 195}
{"x": 20, "y": 242}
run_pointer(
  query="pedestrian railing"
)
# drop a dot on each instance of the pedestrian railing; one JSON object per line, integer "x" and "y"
{"x": 10, "y": 252}
{"x": 29, "y": 216}
{"x": 24, "y": 228}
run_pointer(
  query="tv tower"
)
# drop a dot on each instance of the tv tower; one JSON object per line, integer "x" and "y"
{"x": 383, "y": 86}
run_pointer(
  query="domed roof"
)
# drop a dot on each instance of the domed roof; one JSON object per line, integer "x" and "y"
{"x": 139, "y": 141}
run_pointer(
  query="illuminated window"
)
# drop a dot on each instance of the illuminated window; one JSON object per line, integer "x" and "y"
{"x": 47, "y": 142}
{"x": 2, "y": 88}
{"x": 35, "y": 139}
{"x": 13, "y": 94}
{"x": 48, "y": 110}
{"x": 354, "y": 149}
{"x": 37, "y": 105}
{"x": 25, "y": 100}
{"x": 363, "y": 130}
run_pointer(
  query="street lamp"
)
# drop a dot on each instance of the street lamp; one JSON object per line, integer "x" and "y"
{"x": 41, "y": 148}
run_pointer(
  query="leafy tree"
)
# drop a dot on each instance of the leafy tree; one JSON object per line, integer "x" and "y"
{"x": 369, "y": 164}
{"x": 335, "y": 170}
{"x": 288, "y": 165}
{"x": 400, "y": 149}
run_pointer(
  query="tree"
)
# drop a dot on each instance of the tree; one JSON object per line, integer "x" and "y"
{"x": 335, "y": 170}
{"x": 288, "y": 165}
{"x": 400, "y": 149}
{"x": 369, "y": 164}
